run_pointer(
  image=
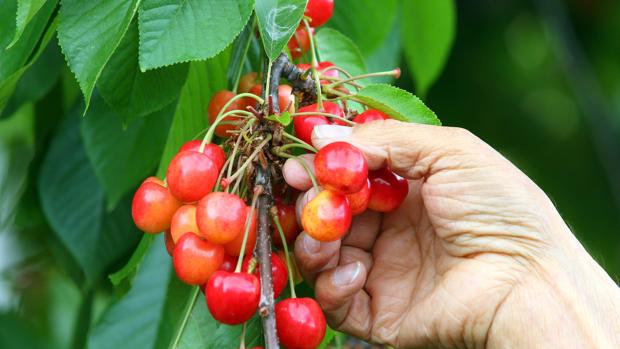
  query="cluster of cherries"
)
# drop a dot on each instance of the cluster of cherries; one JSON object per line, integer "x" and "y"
{"x": 210, "y": 229}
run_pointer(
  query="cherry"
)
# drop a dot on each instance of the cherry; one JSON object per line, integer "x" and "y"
{"x": 319, "y": 11}
{"x": 153, "y": 206}
{"x": 341, "y": 167}
{"x": 229, "y": 263}
{"x": 184, "y": 221}
{"x": 247, "y": 81}
{"x": 327, "y": 217}
{"x": 215, "y": 106}
{"x": 279, "y": 272}
{"x": 286, "y": 99}
{"x": 195, "y": 259}
{"x": 234, "y": 247}
{"x": 370, "y": 115}
{"x": 305, "y": 124}
{"x": 359, "y": 200}
{"x": 323, "y": 70}
{"x": 221, "y": 217}
{"x": 213, "y": 151}
{"x": 296, "y": 175}
{"x": 169, "y": 243}
{"x": 191, "y": 176}
{"x": 232, "y": 298}
{"x": 300, "y": 323}
{"x": 387, "y": 190}
{"x": 288, "y": 221}
{"x": 297, "y": 278}
{"x": 299, "y": 44}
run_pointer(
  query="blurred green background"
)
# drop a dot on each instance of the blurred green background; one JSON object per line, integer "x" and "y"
{"x": 538, "y": 80}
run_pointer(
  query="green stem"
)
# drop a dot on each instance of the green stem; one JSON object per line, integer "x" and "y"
{"x": 314, "y": 64}
{"x": 295, "y": 139}
{"x": 291, "y": 282}
{"x": 188, "y": 310}
{"x": 304, "y": 165}
{"x": 393, "y": 72}
{"x": 333, "y": 116}
{"x": 249, "y": 160}
{"x": 209, "y": 135}
{"x": 248, "y": 221}
{"x": 296, "y": 145}
{"x": 242, "y": 344}
{"x": 243, "y": 57}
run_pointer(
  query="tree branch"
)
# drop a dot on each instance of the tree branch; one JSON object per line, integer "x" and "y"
{"x": 283, "y": 68}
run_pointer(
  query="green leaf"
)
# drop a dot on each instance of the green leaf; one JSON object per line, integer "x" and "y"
{"x": 132, "y": 93}
{"x": 386, "y": 57}
{"x": 284, "y": 118}
{"x": 145, "y": 243}
{"x": 427, "y": 32}
{"x": 398, "y": 104}
{"x": 132, "y": 322}
{"x": 89, "y": 32}
{"x": 122, "y": 158}
{"x": 72, "y": 201}
{"x": 16, "y": 60}
{"x": 239, "y": 53}
{"x": 359, "y": 21}
{"x": 340, "y": 50}
{"x": 277, "y": 21}
{"x": 179, "y": 31}
{"x": 26, "y": 10}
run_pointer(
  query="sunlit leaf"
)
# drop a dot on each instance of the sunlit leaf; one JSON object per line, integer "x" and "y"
{"x": 277, "y": 21}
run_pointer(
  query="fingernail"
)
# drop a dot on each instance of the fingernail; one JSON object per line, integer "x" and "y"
{"x": 331, "y": 131}
{"x": 346, "y": 274}
{"x": 311, "y": 245}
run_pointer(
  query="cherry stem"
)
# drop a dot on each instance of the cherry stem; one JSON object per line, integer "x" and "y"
{"x": 315, "y": 63}
{"x": 251, "y": 158}
{"x": 335, "y": 79}
{"x": 209, "y": 135}
{"x": 333, "y": 116}
{"x": 221, "y": 175}
{"x": 248, "y": 220}
{"x": 303, "y": 164}
{"x": 242, "y": 344}
{"x": 393, "y": 72}
{"x": 295, "y": 139}
{"x": 187, "y": 311}
{"x": 296, "y": 145}
{"x": 276, "y": 220}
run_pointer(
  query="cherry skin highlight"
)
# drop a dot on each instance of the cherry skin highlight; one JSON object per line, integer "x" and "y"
{"x": 300, "y": 323}
{"x": 221, "y": 217}
{"x": 319, "y": 11}
{"x": 213, "y": 151}
{"x": 341, "y": 167}
{"x": 232, "y": 298}
{"x": 288, "y": 221}
{"x": 215, "y": 106}
{"x": 370, "y": 115}
{"x": 234, "y": 247}
{"x": 191, "y": 176}
{"x": 153, "y": 206}
{"x": 195, "y": 259}
{"x": 279, "y": 272}
{"x": 387, "y": 190}
{"x": 184, "y": 221}
{"x": 359, "y": 201}
{"x": 327, "y": 217}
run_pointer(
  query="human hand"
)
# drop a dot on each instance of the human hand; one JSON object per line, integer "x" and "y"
{"x": 475, "y": 245}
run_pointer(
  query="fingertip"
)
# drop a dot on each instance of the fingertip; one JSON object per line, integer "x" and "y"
{"x": 322, "y": 135}
{"x": 335, "y": 289}
{"x": 313, "y": 256}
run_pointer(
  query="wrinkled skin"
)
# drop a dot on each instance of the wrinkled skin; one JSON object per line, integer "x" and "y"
{"x": 474, "y": 257}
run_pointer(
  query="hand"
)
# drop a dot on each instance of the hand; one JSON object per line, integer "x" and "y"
{"x": 474, "y": 257}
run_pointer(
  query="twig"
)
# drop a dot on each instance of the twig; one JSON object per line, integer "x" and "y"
{"x": 283, "y": 68}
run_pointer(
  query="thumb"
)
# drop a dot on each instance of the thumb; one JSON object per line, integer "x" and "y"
{"x": 411, "y": 150}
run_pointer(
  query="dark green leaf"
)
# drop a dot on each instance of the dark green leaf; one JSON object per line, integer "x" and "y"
{"x": 397, "y": 103}
{"x": 132, "y": 93}
{"x": 359, "y": 20}
{"x": 173, "y": 31}
{"x": 122, "y": 158}
{"x": 239, "y": 53}
{"x": 26, "y": 9}
{"x": 385, "y": 57}
{"x": 340, "y": 50}
{"x": 89, "y": 32}
{"x": 427, "y": 34}
{"x": 136, "y": 257}
{"x": 277, "y": 21}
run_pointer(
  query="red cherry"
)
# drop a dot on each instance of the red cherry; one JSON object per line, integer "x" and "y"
{"x": 288, "y": 221}
{"x": 247, "y": 81}
{"x": 359, "y": 201}
{"x": 299, "y": 44}
{"x": 341, "y": 167}
{"x": 305, "y": 124}
{"x": 213, "y": 151}
{"x": 221, "y": 217}
{"x": 300, "y": 323}
{"x": 320, "y": 11}
{"x": 286, "y": 99}
{"x": 215, "y": 106}
{"x": 183, "y": 221}
{"x": 327, "y": 217}
{"x": 323, "y": 70}
{"x": 191, "y": 176}
{"x": 370, "y": 115}
{"x": 153, "y": 206}
{"x": 169, "y": 243}
{"x": 232, "y": 298}
{"x": 229, "y": 263}
{"x": 297, "y": 278}
{"x": 387, "y": 190}
{"x": 195, "y": 259}
{"x": 279, "y": 272}
{"x": 234, "y": 247}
